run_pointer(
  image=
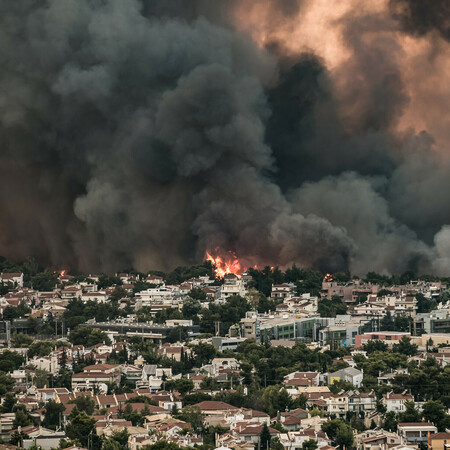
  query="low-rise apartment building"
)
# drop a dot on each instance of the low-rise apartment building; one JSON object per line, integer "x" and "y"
{"x": 388, "y": 337}
{"x": 416, "y": 432}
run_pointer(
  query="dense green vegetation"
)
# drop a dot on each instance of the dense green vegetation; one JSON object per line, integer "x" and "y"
{"x": 78, "y": 313}
{"x": 332, "y": 308}
{"x": 228, "y": 314}
{"x": 305, "y": 280}
{"x": 88, "y": 336}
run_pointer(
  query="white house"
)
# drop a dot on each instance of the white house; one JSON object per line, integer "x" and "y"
{"x": 349, "y": 374}
{"x": 98, "y": 296}
{"x": 14, "y": 279}
{"x": 232, "y": 286}
{"x": 396, "y": 402}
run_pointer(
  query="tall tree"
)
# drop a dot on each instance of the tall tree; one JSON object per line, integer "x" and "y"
{"x": 411, "y": 414}
{"x": 21, "y": 419}
{"x": 8, "y": 402}
{"x": 80, "y": 427}
{"x": 404, "y": 346}
{"x": 390, "y": 421}
{"x": 434, "y": 412}
{"x": 53, "y": 414}
{"x": 265, "y": 437}
{"x": 344, "y": 436}
{"x": 83, "y": 403}
{"x": 64, "y": 378}
{"x": 310, "y": 444}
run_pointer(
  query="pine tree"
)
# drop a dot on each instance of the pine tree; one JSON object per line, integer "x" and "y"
{"x": 265, "y": 437}
{"x": 63, "y": 363}
{"x": 64, "y": 378}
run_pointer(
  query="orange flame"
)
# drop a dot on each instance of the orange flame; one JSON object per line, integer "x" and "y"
{"x": 223, "y": 266}
{"x": 328, "y": 277}
{"x": 62, "y": 273}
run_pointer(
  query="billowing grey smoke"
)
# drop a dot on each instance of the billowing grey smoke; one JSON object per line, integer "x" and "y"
{"x": 354, "y": 203}
{"x": 143, "y": 133}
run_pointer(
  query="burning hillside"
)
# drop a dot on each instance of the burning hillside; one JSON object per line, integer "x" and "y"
{"x": 225, "y": 265}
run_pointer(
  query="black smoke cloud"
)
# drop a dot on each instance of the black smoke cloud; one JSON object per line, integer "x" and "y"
{"x": 419, "y": 17}
{"x": 144, "y": 133}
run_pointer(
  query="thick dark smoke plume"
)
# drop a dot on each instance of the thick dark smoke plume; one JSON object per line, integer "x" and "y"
{"x": 419, "y": 17}
{"x": 144, "y": 133}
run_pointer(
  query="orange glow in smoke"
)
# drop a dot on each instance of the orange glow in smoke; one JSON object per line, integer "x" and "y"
{"x": 62, "y": 273}
{"x": 319, "y": 26}
{"x": 224, "y": 266}
{"x": 316, "y": 27}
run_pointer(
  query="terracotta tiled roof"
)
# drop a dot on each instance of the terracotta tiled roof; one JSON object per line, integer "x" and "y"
{"x": 442, "y": 435}
{"x": 211, "y": 405}
{"x": 415, "y": 424}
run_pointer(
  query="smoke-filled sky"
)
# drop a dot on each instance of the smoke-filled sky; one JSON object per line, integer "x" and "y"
{"x": 144, "y": 132}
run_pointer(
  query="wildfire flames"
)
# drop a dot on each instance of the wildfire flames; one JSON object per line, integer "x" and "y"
{"x": 224, "y": 266}
{"x": 328, "y": 277}
{"x": 61, "y": 273}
